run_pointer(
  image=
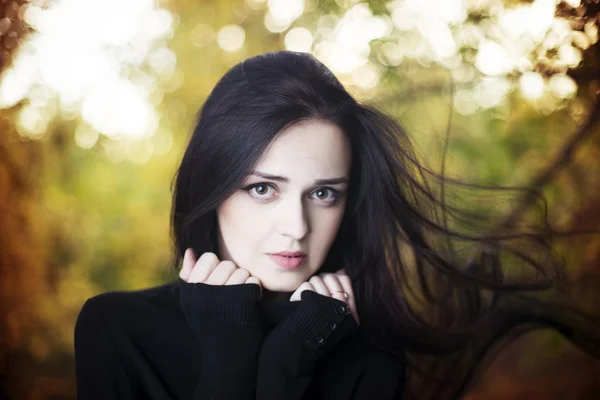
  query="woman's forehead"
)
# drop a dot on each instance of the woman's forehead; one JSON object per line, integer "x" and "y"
{"x": 319, "y": 149}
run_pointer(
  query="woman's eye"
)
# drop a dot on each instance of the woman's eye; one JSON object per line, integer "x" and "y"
{"x": 325, "y": 194}
{"x": 265, "y": 191}
{"x": 259, "y": 190}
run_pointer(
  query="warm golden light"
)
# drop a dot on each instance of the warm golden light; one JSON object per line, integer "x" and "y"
{"x": 89, "y": 58}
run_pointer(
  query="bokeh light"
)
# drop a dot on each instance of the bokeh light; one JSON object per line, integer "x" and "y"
{"x": 298, "y": 39}
{"x": 476, "y": 40}
{"x": 532, "y": 85}
{"x": 286, "y": 10}
{"x": 202, "y": 35}
{"x": 231, "y": 37}
{"x": 99, "y": 61}
{"x": 487, "y": 44}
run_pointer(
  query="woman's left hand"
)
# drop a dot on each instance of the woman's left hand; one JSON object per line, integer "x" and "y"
{"x": 330, "y": 285}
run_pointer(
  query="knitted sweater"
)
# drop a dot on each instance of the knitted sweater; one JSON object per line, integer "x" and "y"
{"x": 194, "y": 341}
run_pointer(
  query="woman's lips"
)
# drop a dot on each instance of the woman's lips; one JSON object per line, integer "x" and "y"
{"x": 287, "y": 262}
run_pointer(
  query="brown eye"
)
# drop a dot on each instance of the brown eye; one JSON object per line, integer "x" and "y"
{"x": 326, "y": 195}
{"x": 261, "y": 189}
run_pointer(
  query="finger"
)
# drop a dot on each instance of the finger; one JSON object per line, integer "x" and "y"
{"x": 238, "y": 277}
{"x": 304, "y": 286}
{"x": 221, "y": 273}
{"x": 189, "y": 259}
{"x": 334, "y": 285}
{"x": 255, "y": 280}
{"x": 319, "y": 285}
{"x": 204, "y": 267}
{"x": 346, "y": 283}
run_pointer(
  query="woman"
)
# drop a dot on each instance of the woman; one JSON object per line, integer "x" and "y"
{"x": 313, "y": 262}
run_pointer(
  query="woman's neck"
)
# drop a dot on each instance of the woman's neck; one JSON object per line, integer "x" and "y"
{"x": 268, "y": 296}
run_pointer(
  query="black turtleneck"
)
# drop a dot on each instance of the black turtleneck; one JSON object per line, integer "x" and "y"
{"x": 197, "y": 341}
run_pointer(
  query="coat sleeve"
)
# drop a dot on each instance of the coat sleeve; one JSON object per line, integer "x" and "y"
{"x": 290, "y": 352}
{"x": 226, "y": 321}
{"x": 98, "y": 373}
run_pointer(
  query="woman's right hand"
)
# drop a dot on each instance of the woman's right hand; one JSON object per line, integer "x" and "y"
{"x": 209, "y": 270}
{"x": 223, "y": 313}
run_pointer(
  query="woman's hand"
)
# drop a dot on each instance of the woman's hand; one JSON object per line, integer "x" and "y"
{"x": 330, "y": 285}
{"x": 224, "y": 315}
{"x": 208, "y": 269}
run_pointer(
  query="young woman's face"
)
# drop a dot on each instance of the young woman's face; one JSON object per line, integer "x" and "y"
{"x": 283, "y": 206}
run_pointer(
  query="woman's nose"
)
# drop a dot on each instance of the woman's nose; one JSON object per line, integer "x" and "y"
{"x": 293, "y": 219}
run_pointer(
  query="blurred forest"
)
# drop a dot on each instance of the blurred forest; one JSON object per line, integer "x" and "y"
{"x": 98, "y": 99}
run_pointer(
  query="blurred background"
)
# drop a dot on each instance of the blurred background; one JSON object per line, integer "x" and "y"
{"x": 98, "y": 99}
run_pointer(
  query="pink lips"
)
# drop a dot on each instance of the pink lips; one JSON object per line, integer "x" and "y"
{"x": 288, "y": 260}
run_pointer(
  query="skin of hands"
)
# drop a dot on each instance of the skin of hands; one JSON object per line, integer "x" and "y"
{"x": 210, "y": 270}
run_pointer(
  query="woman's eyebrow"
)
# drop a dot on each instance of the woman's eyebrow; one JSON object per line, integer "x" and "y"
{"x": 330, "y": 181}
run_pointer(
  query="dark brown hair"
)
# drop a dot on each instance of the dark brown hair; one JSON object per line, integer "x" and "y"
{"x": 430, "y": 277}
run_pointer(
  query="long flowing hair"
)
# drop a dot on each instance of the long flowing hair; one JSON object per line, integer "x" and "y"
{"x": 431, "y": 277}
